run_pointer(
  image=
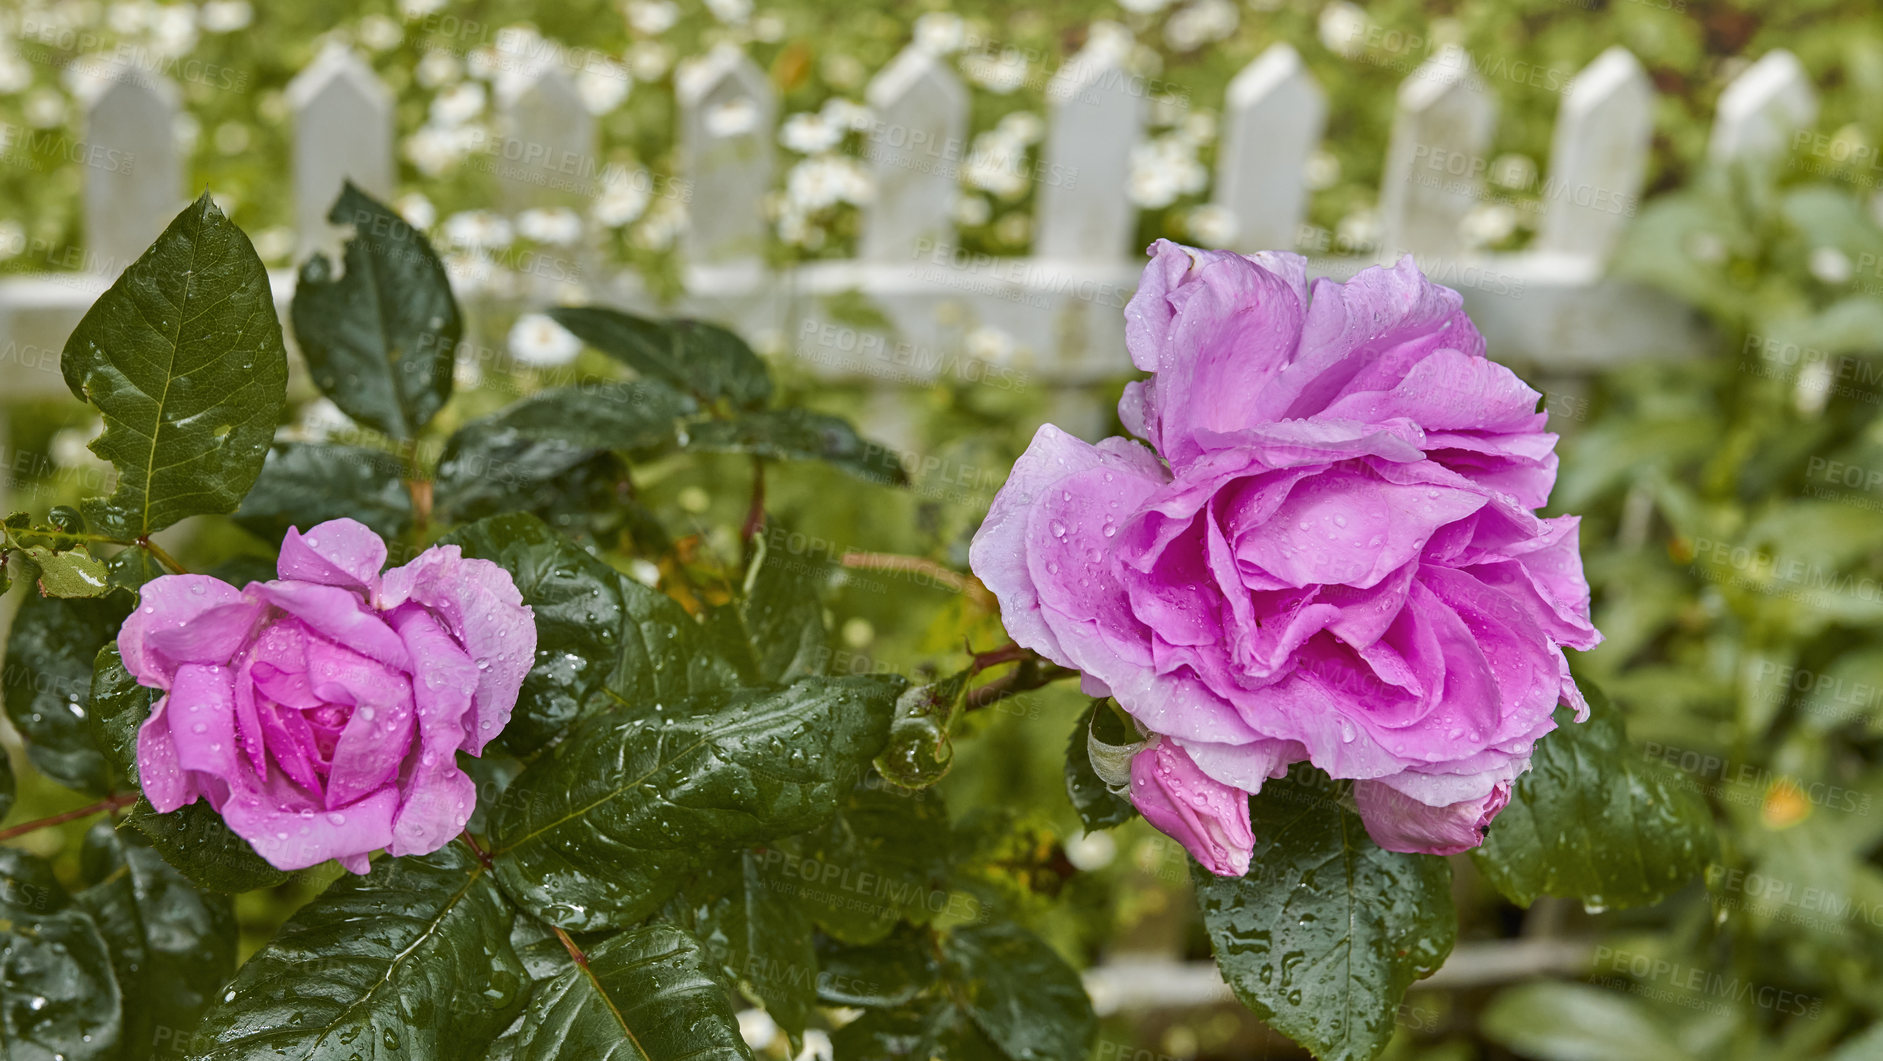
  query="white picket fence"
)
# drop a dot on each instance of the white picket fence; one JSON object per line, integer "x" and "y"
{"x": 1548, "y": 307}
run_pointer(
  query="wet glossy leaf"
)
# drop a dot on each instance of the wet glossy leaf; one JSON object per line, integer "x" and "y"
{"x": 183, "y": 358}
{"x": 598, "y": 832}
{"x": 380, "y": 337}
{"x": 601, "y": 638}
{"x": 876, "y": 975}
{"x": 70, "y": 572}
{"x": 47, "y": 683}
{"x": 929, "y": 1027}
{"x": 761, "y": 936}
{"x": 1020, "y": 992}
{"x": 304, "y": 483}
{"x": 798, "y": 434}
{"x": 505, "y": 460}
{"x": 882, "y": 859}
{"x": 702, "y": 359}
{"x": 647, "y": 994}
{"x": 58, "y": 995}
{"x": 774, "y": 628}
{"x": 1327, "y": 931}
{"x": 1098, "y": 806}
{"x": 412, "y": 960}
{"x": 172, "y": 946}
{"x": 1596, "y": 822}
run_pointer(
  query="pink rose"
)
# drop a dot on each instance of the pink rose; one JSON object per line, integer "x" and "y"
{"x": 1210, "y": 819}
{"x": 321, "y": 714}
{"x": 1330, "y": 552}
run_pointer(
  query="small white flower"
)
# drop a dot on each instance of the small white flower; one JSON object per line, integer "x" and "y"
{"x": 1144, "y": 7}
{"x": 1831, "y": 265}
{"x": 1024, "y": 126}
{"x": 538, "y": 340}
{"x": 1813, "y": 389}
{"x": 15, "y": 74}
{"x": 225, "y": 16}
{"x": 1321, "y": 170}
{"x": 649, "y": 60}
{"x": 809, "y": 134}
{"x": 417, "y": 210}
{"x": 652, "y": 17}
{"x": 940, "y": 33}
{"x": 419, "y": 8}
{"x": 663, "y": 226}
{"x": 458, "y": 104}
{"x": 436, "y": 69}
{"x": 477, "y": 230}
{"x": 1358, "y": 231}
{"x": 622, "y": 201}
{"x": 173, "y": 31}
{"x": 1212, "y": 225}
{"x": 45, "y": 109}
{"x": 12, "y": 239}
{"x": 768, "y": 28}
{"x": 972, "y": 211}
{"x": 603, "y": 85}
{"x": 817, "y": 1046}
{"x": 1343, "y": 28}
{"x": 435, "y": 151}
{"x": 731, "y": 12}
{"x": 731, "y": 118}
{"x": 847, "y": 114}
{"x": 1488, "y": 223}
{"x": 1090, "y": 851}
{"x": 990, "y": 344}
{"x": 557, "y": 226}
{"x": 1201, "y": 22}
{"x": 377, "y": 33}
{"x": 274, "y": 244}
{"x": 1164, "y": 169}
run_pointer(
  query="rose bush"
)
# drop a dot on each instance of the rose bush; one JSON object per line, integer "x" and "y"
{"x": 1328, "y": 552}
{"x": 321, "y": 713}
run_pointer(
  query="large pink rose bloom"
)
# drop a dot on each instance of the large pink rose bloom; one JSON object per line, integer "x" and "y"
{"x": 321, "y": 714}
{"x": 1329, "y": 552}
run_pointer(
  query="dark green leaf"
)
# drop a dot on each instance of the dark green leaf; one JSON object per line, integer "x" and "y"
{"x": 762, "y": 936}
{"x": 183, "y": 358}
{"x": 412, "y": 960}
{"x": 131, "y": 568}
{"x": 306, "y": 483}
{"x": 1098, "y": 806}
{"x": 1579, "y": 1022}
{"x": 926, "y": 1029}
{"x": 596, "y": 631}
{"x": 776, "y": 623}
{"x": 1324, "y": 935}
{"x": 47, "y": 683}
{"x": 878, "y": 975}
{"x": 119, "y": 707}
{"x": 798, "y": 434}
{"x": 380, "y": 338}
{"x": 598, "y": 832}
{"x": 1020, "y": 992}
{"x": 882, "y": 859}
{"x": 704, "y": 360}
{"x": 506, "y": 460}
{"x": 194, "y": 839}
{"x": 645, "y": 995}
{"x": 173, "y": 947}
{"x": 58, "y": 996}
{"x": 1593, "y": 821}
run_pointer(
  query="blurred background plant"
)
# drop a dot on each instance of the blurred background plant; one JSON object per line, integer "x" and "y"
{"x": 1733, "y": 504}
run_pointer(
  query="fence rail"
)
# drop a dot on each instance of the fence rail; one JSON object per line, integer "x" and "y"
{"x": 1549, "y": 306}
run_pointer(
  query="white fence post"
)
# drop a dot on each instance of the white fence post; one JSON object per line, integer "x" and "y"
{"x": 343, "y": 131}
{"x": 916, "y": 152}
{"x": 1095, "y": 119}
{"x": 1272, "y": 120}
{"x": 548, "y": 152}
{"x": 1760, "y": 110}
{"x": 728, "y": 112}
{"x": 135, "y": 185}
{"x": 1598, "y": 157}
{"x": 1436, "y": 158}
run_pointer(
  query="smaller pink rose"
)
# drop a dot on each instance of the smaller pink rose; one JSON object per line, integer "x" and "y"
{"x": 1207, "y": 817}
{"x": 321, "y": 713}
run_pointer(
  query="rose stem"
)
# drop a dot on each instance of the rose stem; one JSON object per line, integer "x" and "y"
{"x": 755, "y": 513}
{"x": 939, "y": 574}
{"x": 162, "y": 557}
{"x": 109, "y": 803}
{"x": 471, "y": 842}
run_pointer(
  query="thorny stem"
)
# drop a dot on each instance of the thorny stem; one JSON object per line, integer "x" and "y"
{"x": 941, "y": 575}
{"x": 755, "y": 513}
{"x": 109, "y": 803}
{"x": 1032, "y": 673}
{"x": 162, "y": 557}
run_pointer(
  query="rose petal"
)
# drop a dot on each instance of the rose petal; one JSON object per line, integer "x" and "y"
{"x": 167, "y": 602}
{"x": 340, "y": 552}
{"x": 479, "y": 604}
{"x": 1398, "y": 823}
{"x": 340, "y": 615}
{"x": 290, "y": 839}
{"x": 160, "y": 770}
{"x": 1210, "y": 819}
{"x": 202, "y": 723}
{"x": 437, "y": 796}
